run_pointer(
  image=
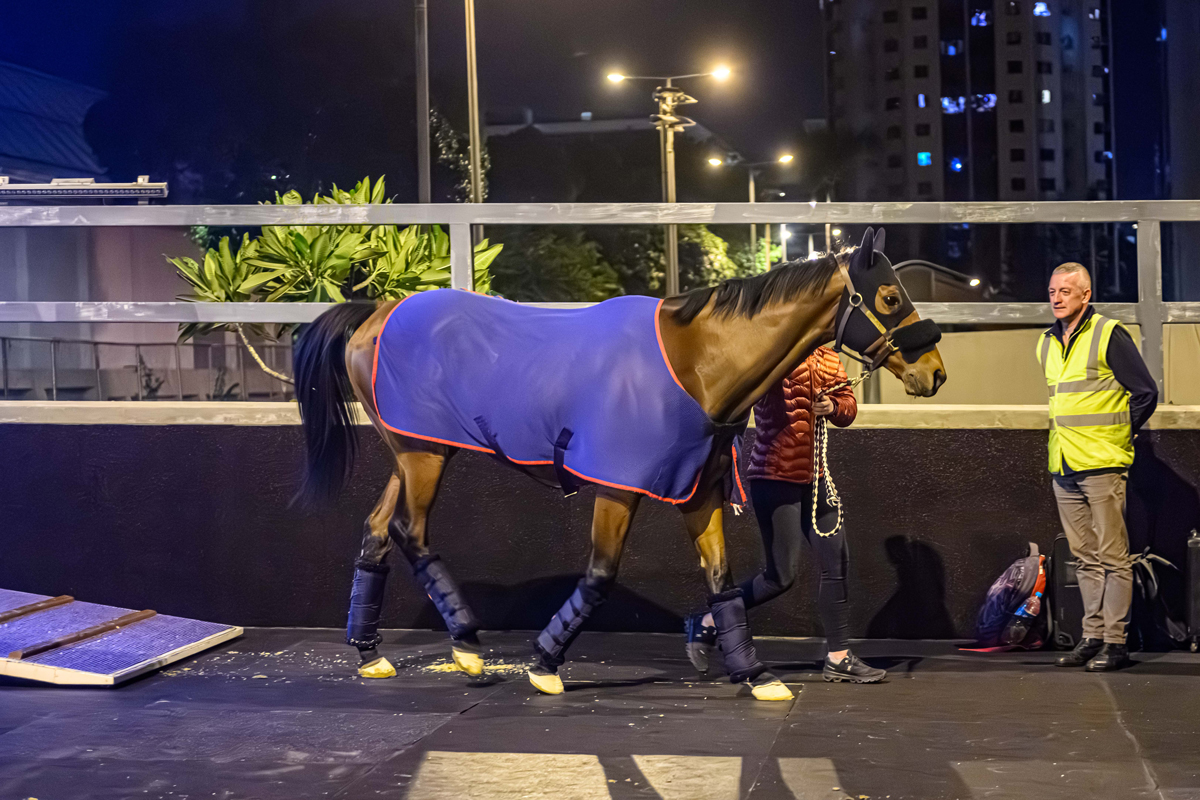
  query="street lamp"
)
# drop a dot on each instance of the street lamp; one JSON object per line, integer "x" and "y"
{"x": 752, "y": 169}
{"x": 669, "y": 97}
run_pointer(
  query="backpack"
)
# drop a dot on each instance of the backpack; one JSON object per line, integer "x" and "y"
{"x": 1153, "y": 626}
{"x": 1011, "y": 615}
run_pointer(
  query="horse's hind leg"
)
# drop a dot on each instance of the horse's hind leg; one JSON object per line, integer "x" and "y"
{"x": 370, "y": 577}
{"x": 610, "y": 523}
{"x": 706, "y": 527}
{"x": 422, "y": 472}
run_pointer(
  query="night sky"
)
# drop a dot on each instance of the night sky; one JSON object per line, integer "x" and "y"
{"x": 173, "y": 65}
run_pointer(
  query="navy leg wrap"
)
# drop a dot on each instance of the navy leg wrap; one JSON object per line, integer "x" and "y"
{"x": 446, "y": 597}
{"x": 733, "y": 636}
{"x": 553, "y": 642}
{"x": 366, "y": 600}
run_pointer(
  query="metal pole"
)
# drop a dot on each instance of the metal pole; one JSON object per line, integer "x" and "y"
{"x": 4, "y": 359}
{"x": 137, "y": 356}
{"x": 970, "y": 100}
{"x": 753, "y": 226}
{"x": 828, "y": 230}
{"x": 767, "y": 236}
{"x": 782, "y": 242}
{"x": 53, "y": 370}
{"x": 462, "y": 266}
{"x": 1151, "y": 309}
{"x": 672, "y": 229}
{"x": 473, "y": 107}
{"x": 96, "y": 362}
{"x": 424, "y": 190}
{"x": 179, "y": 369}
{"x": 242, "y": 367}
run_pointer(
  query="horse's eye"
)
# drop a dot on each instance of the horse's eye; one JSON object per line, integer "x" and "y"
{"x": 892, "y": 300}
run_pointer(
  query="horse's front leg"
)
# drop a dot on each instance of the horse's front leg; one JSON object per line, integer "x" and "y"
{"x": 613, "y": 513}
{"x": 706, "y": 527}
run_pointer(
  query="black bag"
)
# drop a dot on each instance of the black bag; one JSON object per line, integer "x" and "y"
{"x": 1192, "y": 590}
{"x": 1066, "y": 603}
{"x": 1153, "y": 625}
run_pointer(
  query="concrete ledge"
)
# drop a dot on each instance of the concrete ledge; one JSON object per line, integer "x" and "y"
{"x": 904, "y": 415}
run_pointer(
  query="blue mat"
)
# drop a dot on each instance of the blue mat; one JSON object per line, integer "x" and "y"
{"x": 121, "y": 654}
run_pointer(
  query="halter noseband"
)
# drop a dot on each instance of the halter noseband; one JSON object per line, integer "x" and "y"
{"x": 914, "y": 337}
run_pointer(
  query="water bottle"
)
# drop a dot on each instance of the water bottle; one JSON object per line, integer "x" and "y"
{"x": 1193, "y": 581}
{"x": 1018, "y": 627}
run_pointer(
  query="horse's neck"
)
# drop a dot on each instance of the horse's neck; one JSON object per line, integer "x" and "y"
{"x": 728, "y": 363}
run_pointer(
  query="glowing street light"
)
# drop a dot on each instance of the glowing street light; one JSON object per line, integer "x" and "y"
{"x": 669, "y": 97}
{"x": 752, "y": 169}
{"x": 974, "y": 281}
{"x": 836, "y": 231}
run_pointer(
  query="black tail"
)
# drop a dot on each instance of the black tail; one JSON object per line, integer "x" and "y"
{"x": 324, "y": 392}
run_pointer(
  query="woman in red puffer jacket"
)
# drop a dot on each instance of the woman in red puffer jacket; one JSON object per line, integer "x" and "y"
{"x": 781, "y": 473}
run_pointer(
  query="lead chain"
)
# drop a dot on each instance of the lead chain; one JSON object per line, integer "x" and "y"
{"x": 821, "y": 461}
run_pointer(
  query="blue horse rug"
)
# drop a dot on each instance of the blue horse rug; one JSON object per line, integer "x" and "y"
{"x": 587, "y": 390}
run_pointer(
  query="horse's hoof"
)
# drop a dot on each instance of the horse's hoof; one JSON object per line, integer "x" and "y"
{"x": 546, "y": 682}
{"x": 470, "y": 663}
{"x": 771, "y": 691}
{"x": 379, "y": 668}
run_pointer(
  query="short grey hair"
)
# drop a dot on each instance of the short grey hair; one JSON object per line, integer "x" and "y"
{"x": 1075, "y": 267}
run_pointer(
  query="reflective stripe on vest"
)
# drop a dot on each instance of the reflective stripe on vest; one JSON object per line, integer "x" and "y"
{"x": 1089, "y": 408}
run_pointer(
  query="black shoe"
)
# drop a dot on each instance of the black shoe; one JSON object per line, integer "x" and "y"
{"x": 1110, "y": 657}
{"x": 701, "y": 639}
{"x": 853, "y": 670}
{"x": 1084, "y": 652}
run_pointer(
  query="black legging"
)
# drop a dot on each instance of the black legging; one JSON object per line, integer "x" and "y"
{"x": 784, "y": 512}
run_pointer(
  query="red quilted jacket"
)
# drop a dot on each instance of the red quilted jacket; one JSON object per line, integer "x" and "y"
{"x": 783, "y": 445}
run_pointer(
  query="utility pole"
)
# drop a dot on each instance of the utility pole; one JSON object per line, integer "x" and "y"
{"x": 753, "y": 226}
{"x": 424, "y": 183}
{"x": 473, "y": 106}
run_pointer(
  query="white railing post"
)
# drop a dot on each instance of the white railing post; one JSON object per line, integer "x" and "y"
{"x": 1152, "y": 311}
{"x": 462, "y": 260}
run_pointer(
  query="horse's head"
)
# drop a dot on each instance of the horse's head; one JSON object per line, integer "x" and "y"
{"x": 877, "y": 320}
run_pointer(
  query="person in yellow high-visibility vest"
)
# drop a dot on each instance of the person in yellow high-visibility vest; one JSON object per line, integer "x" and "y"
{"x": 1100, "y": 396}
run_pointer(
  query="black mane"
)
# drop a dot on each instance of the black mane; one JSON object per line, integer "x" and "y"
{"x": 746, "y": 297}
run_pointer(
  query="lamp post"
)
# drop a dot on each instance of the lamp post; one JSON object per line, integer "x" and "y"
{"x": 669, "y": 97}
{"x": 473, "y": 107}
{"x": 752, "y": 169}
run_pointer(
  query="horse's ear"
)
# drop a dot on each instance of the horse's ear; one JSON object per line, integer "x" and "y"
{"x": 868, "y": 240}
{"x": 865, "y": 254}
{"x": 880, "y": 239}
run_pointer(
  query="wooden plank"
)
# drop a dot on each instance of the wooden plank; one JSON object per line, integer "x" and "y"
{"x": 79, "y": 636}
{"x": 33, "y": 608}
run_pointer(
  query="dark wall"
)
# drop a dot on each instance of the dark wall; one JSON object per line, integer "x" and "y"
{"x": 195, "y": 521}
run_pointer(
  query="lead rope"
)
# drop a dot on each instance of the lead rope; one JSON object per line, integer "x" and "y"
{"x": 821, "y": 461}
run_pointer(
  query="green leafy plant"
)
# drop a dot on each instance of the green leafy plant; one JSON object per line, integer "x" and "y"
{"x": 324, "y": 263}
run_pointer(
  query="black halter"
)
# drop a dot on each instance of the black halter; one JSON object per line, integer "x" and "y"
{"x": 911, "y": 340}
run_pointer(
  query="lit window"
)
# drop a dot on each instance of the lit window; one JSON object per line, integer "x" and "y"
{"x": 1045, "y": 95}
{"x": 1162, "y": 34}
{"x": 1094, "y": 14}
{"x": 956, "y": 164}
{"x": 1040, "y": 10}
{"x": 984, "y": 102}
{"x": 954, "y": 105}
{"x": 924, "y": 158}
{"x": 980, "y": 19}
{"x": 951, "y": 50}
{"x": 921, "y": 100}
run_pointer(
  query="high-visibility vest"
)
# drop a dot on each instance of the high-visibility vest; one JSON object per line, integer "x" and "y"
{"x": 1089, "y": 409}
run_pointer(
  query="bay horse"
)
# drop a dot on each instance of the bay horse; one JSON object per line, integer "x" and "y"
{"x": 719, "y": 349}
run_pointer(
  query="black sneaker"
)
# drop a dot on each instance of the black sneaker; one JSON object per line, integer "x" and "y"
{"x": 1084, "y": 652}
{"x": 852, "y": 669}
{"x": 701, "y": 639}
{"x": 1110, "y": 657}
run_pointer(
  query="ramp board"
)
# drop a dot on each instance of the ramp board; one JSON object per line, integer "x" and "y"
{"x": 107, "y": 659}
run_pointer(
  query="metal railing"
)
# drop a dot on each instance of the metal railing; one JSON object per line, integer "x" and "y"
{"x": 208, "y": 378}
{"x": 1151, "y": 312}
